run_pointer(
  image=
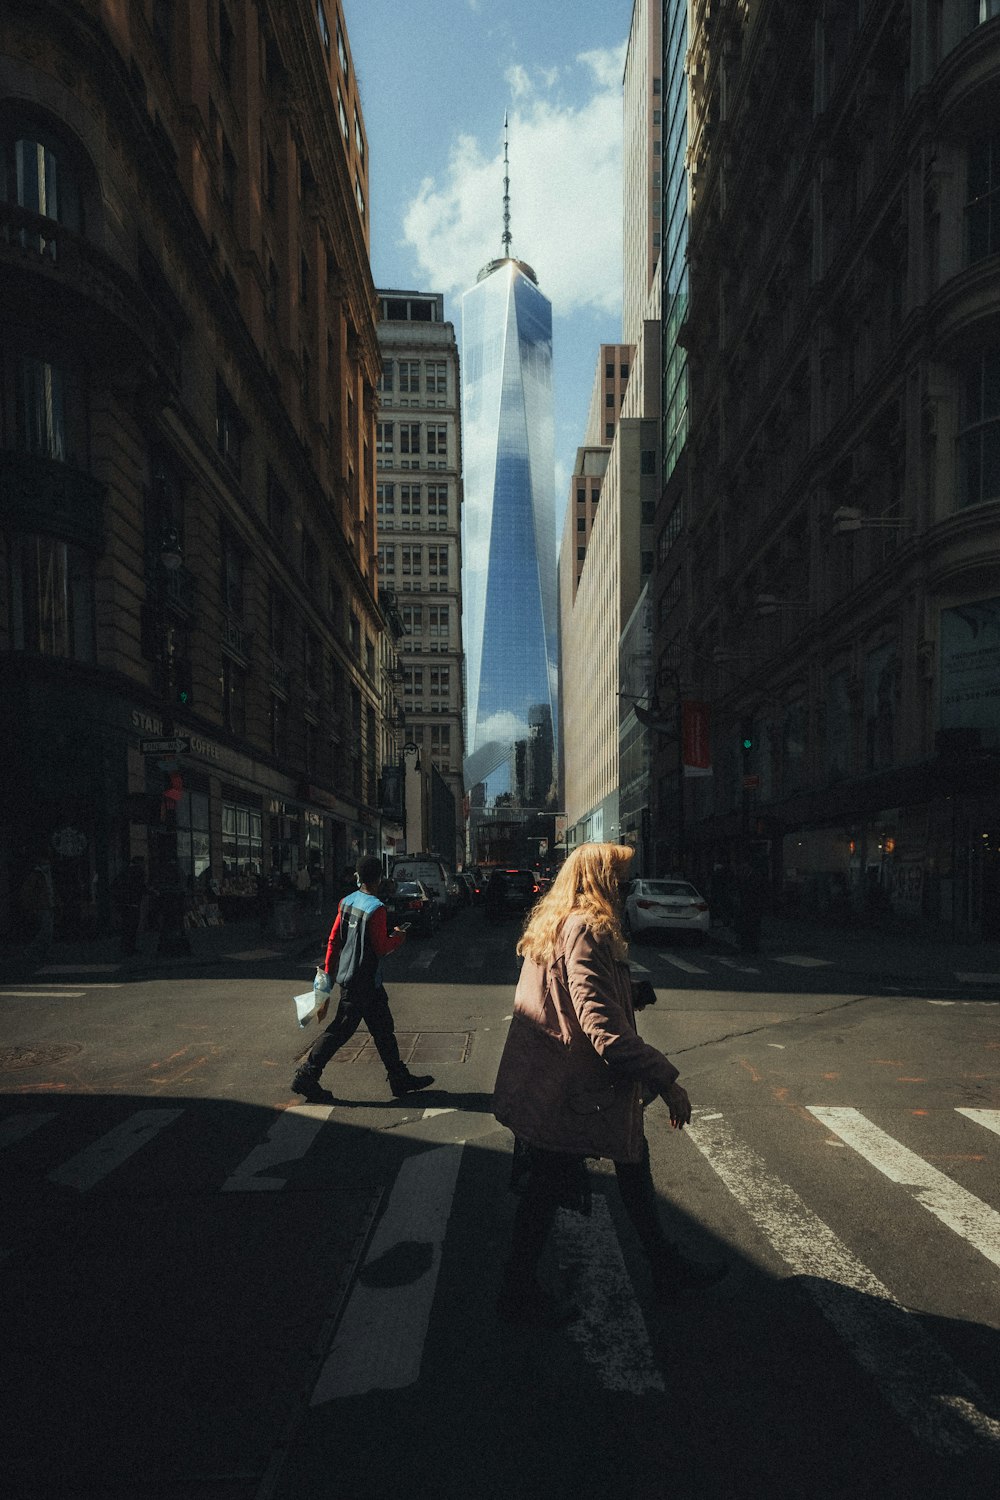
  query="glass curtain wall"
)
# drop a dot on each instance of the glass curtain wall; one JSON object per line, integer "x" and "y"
{"x": 675, "y": 231}
{"x": 509, "y": 537}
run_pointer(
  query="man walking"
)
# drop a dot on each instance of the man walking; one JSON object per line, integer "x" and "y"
{"x": 359, "y": 940}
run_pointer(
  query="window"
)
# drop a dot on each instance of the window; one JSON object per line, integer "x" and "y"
{"x": 233, "y": 682}
{"x": 359, "y": 139}
{"x": 439, "y": 620}
{"x": 982, "y": 209}
{"x": 226, "y": 41}
{"x": 623, "y": 372}
{"x": 369, "y": 656}
{"x": 193, "y": 835}
{"x": 609, "y": 399}
{"x": 437, "y": 441}
{"x": 277, "y": 623}
{"x": 229, "y": 175}
{"x": 437, "y": 377}
{"x": 581, "y": 496}
{"x": 409, "y": 437}
{"x": 581, "y": 523}
{"x": 983, "y": 10}
{"x": 355, "y": 625}
{"x": 979, "y": 438}
{"x": 341, "y": 113}
{"x": 228, "y": 426}
{"x": 647, "y": 461}
{"x": 324, "y": 29}
{"x": 441, "y": 681}
{"x": 49, "y": 410}
{"x": 437, "y": 561}
{"x": 409, "y": 377}
{"x": 38, "y": 175}
{"x": 384, "y": 437}
{"x": 609, "y": 431}
{"x": 310, "y": 554}
{"x": 413, "y": 561}
{"x": 410, "y": 500}
{"x": 387, "y": 561}
{"x": 413, "y": 618}
{"x": 441, "y": 745}
{"x": 241, "y": 839}
{"x": 385, "y": 380}
{"x": 385, "y": 500}
{"x": 437, "y": 500}
{"x": 581, "y": 553}
{"x": 359, "y": 195}
{"x": 609, "y": 372}
{"x": 232, "y": 575}
{"x": 51, "y": 598}
{"x": 278, "y": 510}
{"x": 341, "y": 48}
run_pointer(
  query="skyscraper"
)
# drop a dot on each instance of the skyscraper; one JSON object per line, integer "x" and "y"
{"x": 509, "y": 573}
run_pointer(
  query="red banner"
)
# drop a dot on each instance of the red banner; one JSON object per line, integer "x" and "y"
{"x": 697, "y": 754}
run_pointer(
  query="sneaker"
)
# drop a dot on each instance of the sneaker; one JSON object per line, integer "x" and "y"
{"x": 311, "y": 1090}
{"x": 409, "y": 1083}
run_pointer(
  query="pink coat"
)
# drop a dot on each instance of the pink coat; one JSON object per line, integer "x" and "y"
{"x": 573, "y": 1067}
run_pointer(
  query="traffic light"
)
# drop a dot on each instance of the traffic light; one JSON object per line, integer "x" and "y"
{"x": 746, "y": 740}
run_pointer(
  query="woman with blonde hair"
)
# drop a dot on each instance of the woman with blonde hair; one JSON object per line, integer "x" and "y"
{"x": 572, "y": 1080}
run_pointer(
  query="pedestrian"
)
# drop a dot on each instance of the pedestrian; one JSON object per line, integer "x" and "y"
{"x": 38, "y": 902}
{"x": 359, "y": 940}
{"x": 572, "y": 1081}
{"x": 131, "y": 891}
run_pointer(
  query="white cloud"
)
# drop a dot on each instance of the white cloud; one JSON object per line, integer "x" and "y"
{"x": 565, "y": 169}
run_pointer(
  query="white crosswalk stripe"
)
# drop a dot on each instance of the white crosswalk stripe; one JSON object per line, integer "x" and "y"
{"x": 942, "y": 1406}
{"x": 990, "y": 1118}
{"x": 94, "y": 1162}
{"x": 18, "y": 1127}
{"x": 288, "y": 1140}
{"x": 681, "y": 963}
{"x": 961, "y": 1210}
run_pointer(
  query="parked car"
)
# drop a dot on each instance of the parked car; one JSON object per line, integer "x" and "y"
{"x": 411, "y": 904}
{"x": 431, "y": 874}
{"x": 510, "y": 893}
{"x": 666, "y": 905}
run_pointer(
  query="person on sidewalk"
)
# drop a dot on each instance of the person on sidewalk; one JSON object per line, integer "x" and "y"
{"x": 359, "y": 940}
{"x": 572, "y": 1081}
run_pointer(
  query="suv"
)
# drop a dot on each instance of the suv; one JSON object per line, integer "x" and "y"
{"x": 511, "y": 893}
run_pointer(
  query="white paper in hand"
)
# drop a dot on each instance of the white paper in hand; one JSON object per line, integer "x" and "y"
{"x": 305, "y": 1007}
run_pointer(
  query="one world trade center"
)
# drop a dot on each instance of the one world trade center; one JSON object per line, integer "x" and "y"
{"x": 509, "y": 537}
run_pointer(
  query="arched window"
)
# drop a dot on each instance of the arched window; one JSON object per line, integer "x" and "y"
{"x": 39, "y": 173}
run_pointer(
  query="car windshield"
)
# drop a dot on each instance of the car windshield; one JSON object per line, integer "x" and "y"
{"x": 409, "y": 888}
{"x": 520, "y": 878}
{"x": 666, "y": 888}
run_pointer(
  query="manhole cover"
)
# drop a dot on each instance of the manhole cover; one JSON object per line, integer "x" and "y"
{"x": 36, "y": 1057}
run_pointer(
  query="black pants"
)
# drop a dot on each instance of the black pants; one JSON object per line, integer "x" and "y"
{"x": 536, "y": 1212}
{"x": 357, "y": 1005}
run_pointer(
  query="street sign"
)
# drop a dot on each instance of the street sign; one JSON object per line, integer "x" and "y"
{"x": 751, "y": 782}
{"x": 179, "y": 745}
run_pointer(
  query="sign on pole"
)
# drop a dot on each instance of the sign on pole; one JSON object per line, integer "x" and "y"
{"x": 179, "y": 745}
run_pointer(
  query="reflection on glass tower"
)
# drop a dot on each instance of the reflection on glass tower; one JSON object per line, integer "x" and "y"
{"x": 508, "y": 566}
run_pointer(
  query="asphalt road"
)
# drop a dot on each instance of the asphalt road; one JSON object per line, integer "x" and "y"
{"x": 211, "y": 1290}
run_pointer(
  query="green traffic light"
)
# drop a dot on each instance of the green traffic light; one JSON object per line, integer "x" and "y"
{"x": 748, "y": 744}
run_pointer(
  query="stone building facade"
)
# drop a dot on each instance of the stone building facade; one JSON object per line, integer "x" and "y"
{"x": 828, "y": 558}
{"x": 187, "y": 470}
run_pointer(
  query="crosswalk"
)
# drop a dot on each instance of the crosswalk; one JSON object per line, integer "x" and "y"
{"x": 809, "y": 1230}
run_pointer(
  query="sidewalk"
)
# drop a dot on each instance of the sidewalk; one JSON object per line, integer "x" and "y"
{"x": 234, "y": 942}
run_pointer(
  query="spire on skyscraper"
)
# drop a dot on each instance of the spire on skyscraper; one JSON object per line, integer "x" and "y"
{"x": 505, "y": 238}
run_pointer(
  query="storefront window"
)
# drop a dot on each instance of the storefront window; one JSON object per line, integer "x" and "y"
{"x": 193, "y": 849}
{"x": 241, "y": 840}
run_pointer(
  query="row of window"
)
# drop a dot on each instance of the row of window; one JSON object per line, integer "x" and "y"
{"x": 411, "y": 559}
{"x": 412, "y": 500}
{"x": 433, "y": 441}
{"x": 438, "y": 619}
{"x": 413, "y": 377}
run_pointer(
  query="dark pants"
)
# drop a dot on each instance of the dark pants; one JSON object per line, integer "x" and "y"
{"x": 536, "y": 1212}
{"x": 357, "y": 1005}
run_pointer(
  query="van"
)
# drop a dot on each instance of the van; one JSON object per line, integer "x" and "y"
{"x": 432, "y": 875}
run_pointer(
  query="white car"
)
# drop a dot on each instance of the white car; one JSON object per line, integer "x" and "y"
{"x": 666, "y": 905}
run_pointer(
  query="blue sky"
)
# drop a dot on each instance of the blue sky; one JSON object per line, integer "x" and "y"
{"x": 436, "y": 77}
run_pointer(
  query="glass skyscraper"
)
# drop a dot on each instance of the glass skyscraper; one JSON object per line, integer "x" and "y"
{"x": 509, "y": 606}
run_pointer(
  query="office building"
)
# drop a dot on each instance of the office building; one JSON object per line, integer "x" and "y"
{"x": 830, "y": 565}
{"x": 187, "y": 466}
{"x": 509, "y": 539}
{"x": 418, "y": 447}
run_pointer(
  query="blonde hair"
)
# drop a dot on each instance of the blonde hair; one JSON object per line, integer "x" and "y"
{"x": 588, "y": 884}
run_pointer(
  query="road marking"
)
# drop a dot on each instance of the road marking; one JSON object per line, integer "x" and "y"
{"x": 979, "y": 979}
{"x": 610, "y": 1328}
{"x": 288, "y": 1139}
{"x": 41, "y": 994}
{"x": 431, "y": 1114}
{"x": 94, "y": 1162}
{"x": 990, "y": 1118}
{"x": 379, "y": 1344}
{"x": 961, "y": 1210}
{"x": 937, "y": 1400}
{"x": 16, "y": 1127}
{"x": 681, "y": 963}
{"x": 940, "y": 1002}
{"x": 803, "y": 961}
{"x": 731, "y": 963}
{"x": 425, "y": 959}
{"x": 638, "y": 968}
